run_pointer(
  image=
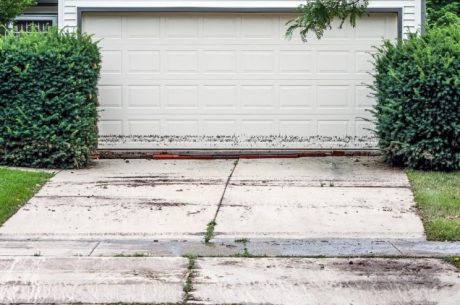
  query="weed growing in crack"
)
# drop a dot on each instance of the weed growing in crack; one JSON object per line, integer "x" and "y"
{"x": 210, "y": 231}
{"x": 188, "y": 286}
{"x": 246, "y": 252}
{"x": 455, "y": 261}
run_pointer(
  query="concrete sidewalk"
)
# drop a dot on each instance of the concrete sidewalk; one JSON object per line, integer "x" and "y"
{"x": 215, "y": 281}
{"x": 269, "y": 198}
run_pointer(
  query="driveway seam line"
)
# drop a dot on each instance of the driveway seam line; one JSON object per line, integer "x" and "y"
{"x": 225, "y": 189}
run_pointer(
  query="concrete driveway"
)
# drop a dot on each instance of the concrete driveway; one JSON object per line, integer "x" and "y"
{"x": 60, "y": 247}
{"x": 332, "y": 197}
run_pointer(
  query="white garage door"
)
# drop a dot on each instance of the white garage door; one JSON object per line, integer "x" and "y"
{"x": 233, "y": 81}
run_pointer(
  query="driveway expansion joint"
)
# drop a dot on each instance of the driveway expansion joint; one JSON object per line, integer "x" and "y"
{"x": 228, "y": 247}
{"x": 392, "y": 244}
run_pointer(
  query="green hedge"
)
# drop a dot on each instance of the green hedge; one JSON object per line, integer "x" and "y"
{"x": 439, "y": 10}
{"x": 417, "y": 85}
{"x": 48, "y": 99}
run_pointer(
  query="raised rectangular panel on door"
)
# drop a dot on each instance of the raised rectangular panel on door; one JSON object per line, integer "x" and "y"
{"x": 217, "y": 80}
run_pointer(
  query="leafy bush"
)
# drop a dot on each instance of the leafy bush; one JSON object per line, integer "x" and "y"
{"x": 48, "y": 99}
{"x": 9, "y": 9}
{"x": 417, "y": 86}
{"x": 447, "y": 19}
{"x": 438, "y": 10}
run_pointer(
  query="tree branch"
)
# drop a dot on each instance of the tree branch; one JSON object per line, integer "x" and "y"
{"x": 317, "y": 16}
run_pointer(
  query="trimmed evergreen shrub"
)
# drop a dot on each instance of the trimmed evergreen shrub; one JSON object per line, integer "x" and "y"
{"x": 417, "y": 86}
{"x": 48, "y": 99}
{"x": 438, "y": 10}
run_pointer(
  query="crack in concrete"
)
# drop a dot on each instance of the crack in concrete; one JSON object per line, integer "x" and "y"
{"x": 213, "y": 223}
{"x": 94, "y": 248}
{"x": 188, "y": 285}
{"x": 225, "y": 189}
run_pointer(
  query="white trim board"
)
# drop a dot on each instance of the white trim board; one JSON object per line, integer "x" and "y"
{"x": 68, "y": 9}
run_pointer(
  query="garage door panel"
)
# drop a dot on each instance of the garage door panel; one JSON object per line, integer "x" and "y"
{"x": 257, "y": 61}
{"x": 377, "y": 27}
{"x": 110, "y": 127}
{"x": 363, "y": 97}
{"x": 219, "y": 61}
{"x": 218, "y": 96}
{"x": 144, "y": 127}
{"x": 333, "y": 128}
{"x": 220, "y": 27}
{"x": 142, "y": 61}
{"x": 333, "y": 97}
{"x": 181, "y": 126}
{"x": 297, "y": 61}
{"x": 113, "y": 63}
{"x": 259, "y": 27}
{"x": 143, "y": 27}
{"x": 195, "y": 80}
{"x": 298, "y": 127}
{"x": 181, "y": 97}
{"x": 146, "y": 96}
{"x": 363, "y": 61}
{"x": 299, "y": 97}
{"x": 105, "y": 27}
{"x": 244, "y": 64}
{"x": 215, "y": 97}
{"x": 180, "y": 27}
{"x": 334, "y": 61}
{"x": 363, "y": 128}
{"x": 216, "y": 127}
{"x": 181, "y": 61}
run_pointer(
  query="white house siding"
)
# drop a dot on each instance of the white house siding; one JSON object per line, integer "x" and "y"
{"x": 68, "y": 8}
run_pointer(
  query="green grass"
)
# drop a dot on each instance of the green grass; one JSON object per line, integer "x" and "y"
{"x": 16, "y": 188}
{"x": 438, "y": 197}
